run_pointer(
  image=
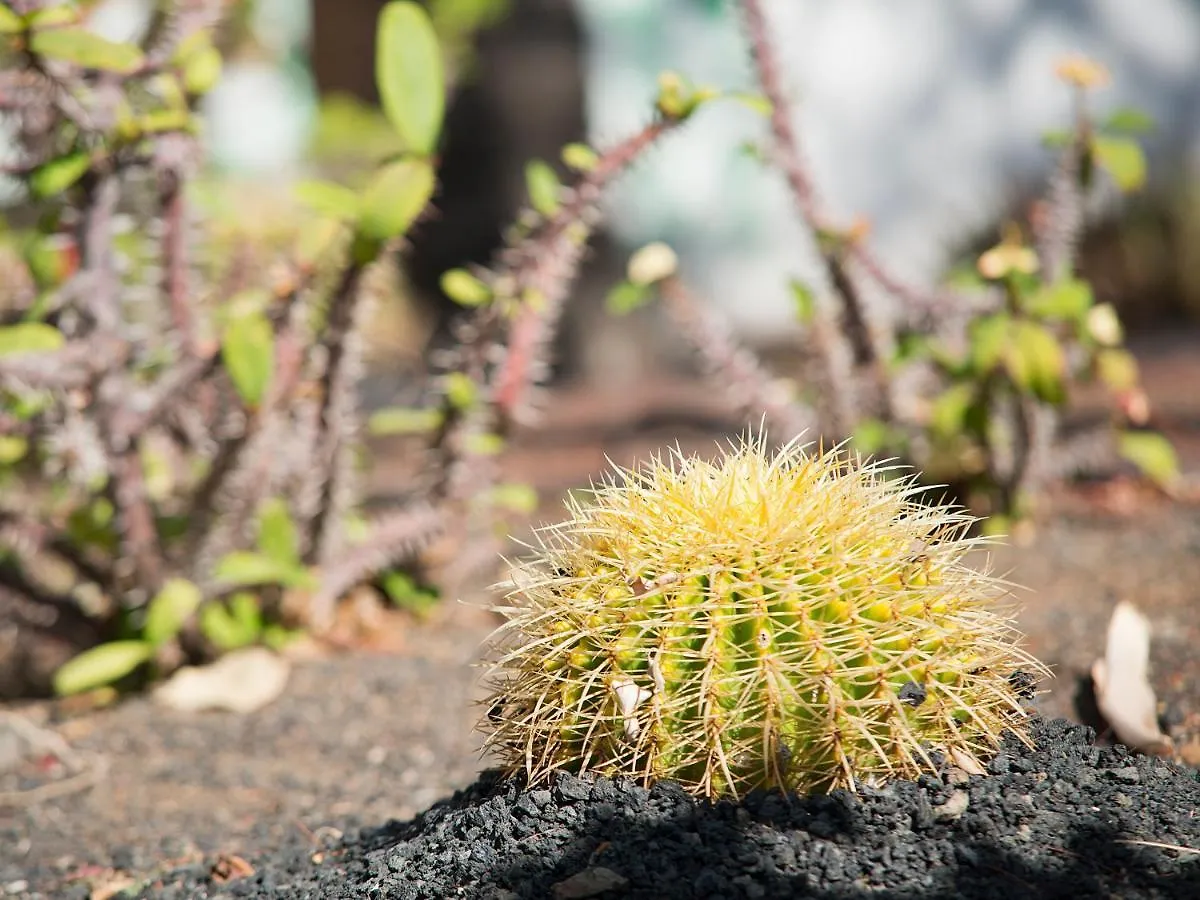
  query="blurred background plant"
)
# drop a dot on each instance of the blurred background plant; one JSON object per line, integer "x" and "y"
{"x": 254, "y": 247}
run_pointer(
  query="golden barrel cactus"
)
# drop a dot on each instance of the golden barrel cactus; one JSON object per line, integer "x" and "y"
{"x": 790, "y": 620}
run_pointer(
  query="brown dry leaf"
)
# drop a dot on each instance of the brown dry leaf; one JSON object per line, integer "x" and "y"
{"x": 229, "y": 867}
{"x": 1123, "y": 691}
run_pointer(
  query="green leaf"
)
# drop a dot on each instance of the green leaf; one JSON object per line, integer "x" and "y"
{"x": 247, "y": 611}
{"x": 1036, "y": 362}
{"x": 1057, "y": 139}
{"x": 1068, "y": 300}
{"x": 544, "y": 187}
{"x": 100, "y": 666}
{"x": 157, "y": 472}
{"x": 232, "y": 625}
{"x": 464, "y": 288}
{"x": 246, "y": 568}
{"x": 66, "y": 13}
{"x": 949, "y": 412}
{"x": 408, "y": 73}
{"x": 580, "y": 157}
{"x": 484, "y": 444}
{"x": 403, "y": 420}
{"x": 461, "y": 391}
{"x": 87, "y": 50}
{"x": 54, "y": 177}
{"x": 1128, "y": 120}
{"x": 804, "y": 299}
{"x": 406, "y": 594}
{"x": 518, "y": 498}
{"x": 1118, "y": 369}
{"x": 989, "y": 337}
{"x": 276, "y": 637}
{"x": 1123, "y": 159}
{"x": 755, "y": 102}
{"x": 248, "y": 351}
{"x": 277, "y": 537}
{"x": 29, "y": 337}
{"x": 1152, "y": 453}
{"x": 328, "y": 199}
{"x": 10, "y": 22}
{"x": 169, "y": 610}
{"x": 871, "y": 436}
{"x": 626, "y": 296}
{"x": 201, "y": 70}
{"x": 12, "y": 449}
{"x": 394, "y": 197}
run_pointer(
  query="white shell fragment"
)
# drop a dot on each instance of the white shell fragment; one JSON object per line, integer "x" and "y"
{"x": 629, "y": 698}
{"x": 1123, "y": 691}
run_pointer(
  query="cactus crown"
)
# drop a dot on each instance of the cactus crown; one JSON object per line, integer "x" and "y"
{"x": 794, "y": 620}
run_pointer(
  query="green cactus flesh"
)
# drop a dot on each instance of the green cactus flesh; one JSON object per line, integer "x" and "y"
{"x": 793, "y": 620}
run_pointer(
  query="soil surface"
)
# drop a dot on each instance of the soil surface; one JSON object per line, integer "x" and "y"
{"x": 382, "y": 733}
{"x": 1065, "y": 820}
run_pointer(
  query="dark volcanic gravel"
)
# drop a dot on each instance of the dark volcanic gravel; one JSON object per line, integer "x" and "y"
{"x": 1054, "y": 822}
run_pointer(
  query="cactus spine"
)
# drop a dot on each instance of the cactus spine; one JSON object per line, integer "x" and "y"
{"x": 797, "y": 620}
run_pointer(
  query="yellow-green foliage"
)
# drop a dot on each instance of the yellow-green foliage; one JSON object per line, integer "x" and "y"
{"x": 794, "y": 620}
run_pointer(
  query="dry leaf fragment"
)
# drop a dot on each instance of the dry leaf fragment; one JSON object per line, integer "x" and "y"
{"x": 242, "y": 682}
{"x": 1123, "y": 691}
{"x": 228, "y": 867}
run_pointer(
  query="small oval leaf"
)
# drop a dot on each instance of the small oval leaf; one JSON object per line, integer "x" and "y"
{"x": 328, "y": 199}
{"x": 580, "y": 157}
{"x": 1123, "y": 159}
{"x": 54, "y": 177}
{"x": 1036, "y": 362}
{"x": 625, "y": 297}
{"x": 1066, "y": 300}
{"x": 202, "y": 70}
{"x": 277, "y": 536}
{"x": 100, "y": 666}
{"x": 464, "y": 288}
{"x": 395, "y": 196}
{"x": 169, "y": 610}
{"x": 248, "y": 351}
{"x": 232, "y": 626}
{"x": 29, "y": 337}
{"x": 10, "y": 22}
{"x": 246, "y": 568}
{"x": 408, "y": 73}
{"x": 87, "y": 50}
{"x": 1152, "y": 453}
{"x": 544, "y": 187}
{"x": 401, "y": 420}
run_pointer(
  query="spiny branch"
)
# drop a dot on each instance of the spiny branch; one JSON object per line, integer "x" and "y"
{"x": 546, "y": 263}
{"x": 393, "y": 538}
{"x": 734, "y": 368}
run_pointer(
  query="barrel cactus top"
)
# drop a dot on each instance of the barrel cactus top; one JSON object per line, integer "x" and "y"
{"x": 791, "y": 620}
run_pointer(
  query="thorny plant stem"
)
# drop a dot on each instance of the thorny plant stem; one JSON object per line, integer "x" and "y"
{"x": 734, "y": 368}
{"x": 174, "y": 252}
{"x": 547, "y": 262}
{"x": 1062, "y": 219}
{"x": 864, "y": 341}
{"x": 335, "y": 394}
{"x": 127, "y": 487}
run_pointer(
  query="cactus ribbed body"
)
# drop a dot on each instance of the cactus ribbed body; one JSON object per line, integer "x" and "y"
{"x": 795, "y": 621}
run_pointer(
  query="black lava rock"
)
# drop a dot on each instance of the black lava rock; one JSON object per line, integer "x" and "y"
{"x": 1061, "y": 821}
